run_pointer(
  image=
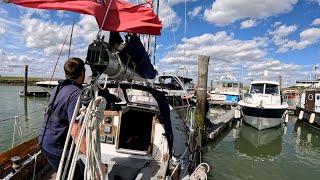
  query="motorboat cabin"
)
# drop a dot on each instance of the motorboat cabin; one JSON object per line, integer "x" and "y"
{"x": 226, "y": 93}
{"x": 179, "y": 90}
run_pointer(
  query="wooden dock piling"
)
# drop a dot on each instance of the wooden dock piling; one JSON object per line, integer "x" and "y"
{"x": 201, "y": 96}
{"x": 25, "y": 92}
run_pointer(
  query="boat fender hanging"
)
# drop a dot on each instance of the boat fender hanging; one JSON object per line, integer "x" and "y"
{"x": 237, "y": 113}
{"x": 286, "y": 117}
{"x": 301, "y": 115}
{"x": 312, "y": 117}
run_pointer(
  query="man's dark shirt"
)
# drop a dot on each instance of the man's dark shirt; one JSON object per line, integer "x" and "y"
{"x": 54, "y": 132}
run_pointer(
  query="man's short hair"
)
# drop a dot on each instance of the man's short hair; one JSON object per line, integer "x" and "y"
{"x": 73, "y": 68}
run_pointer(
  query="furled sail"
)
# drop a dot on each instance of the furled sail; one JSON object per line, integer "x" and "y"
{"x": 121, "y": 16}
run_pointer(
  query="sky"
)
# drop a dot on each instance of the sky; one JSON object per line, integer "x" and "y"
{"x": 244, "y": 38}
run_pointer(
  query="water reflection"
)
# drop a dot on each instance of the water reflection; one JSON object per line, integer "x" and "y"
{"x": 255, "y": 143}
{"x": 306, "y": 138}
{"x": 25, "y": 103}
{"x": 29, "y": 111}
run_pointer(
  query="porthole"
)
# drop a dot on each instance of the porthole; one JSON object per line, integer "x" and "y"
{"x": 310, "y": 97}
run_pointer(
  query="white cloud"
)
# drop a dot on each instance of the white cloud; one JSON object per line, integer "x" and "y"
{"x": 222, "y": 47}
{"x": 289, "y": 72}
{"x": 275, "y": 24}
{"x": 195, "y": 12}
{"x": 168, "y": 16}
{"x": 316, "y": 22}
{"x": 12, "y": 64}
{"x": 248, "y": 23}
{"x": 49, "y": 36}
{"x": 3, "y": 11}
{"x": 307, "y": 37}
{"x": 2, "y": 30}
{"x": 317, "y": 1}
{"x": 63, "y": 14}
{"x": 44, "y": 35}
{"x": 224, "y": 12}
{"x": 9, "y": 21}
{"x": 283, "y": 31}
{"x": 230, "y": 55}
{"x": 28, "y": 13}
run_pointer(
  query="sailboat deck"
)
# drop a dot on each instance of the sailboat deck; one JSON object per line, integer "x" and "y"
{"x": 129, "y": 166}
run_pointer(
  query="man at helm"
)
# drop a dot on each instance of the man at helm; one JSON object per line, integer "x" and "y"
{"x": 60, "y": 110}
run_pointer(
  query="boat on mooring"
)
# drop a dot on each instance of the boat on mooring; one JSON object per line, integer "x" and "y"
{"x": 263, "y": 107}
{"x": 292, "y": 97}
{"x": 179, "y": 90}
{"x": 309, "y": 106}
{"x": 227, "y": 91}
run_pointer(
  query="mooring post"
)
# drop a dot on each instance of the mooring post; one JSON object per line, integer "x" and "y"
{"x": 201, "y": 96}
{"x": 25, "y": 80}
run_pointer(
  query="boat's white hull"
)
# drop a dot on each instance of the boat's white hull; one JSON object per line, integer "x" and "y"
{"x": 263, "y": 117}
{"x": 261, "y": 123}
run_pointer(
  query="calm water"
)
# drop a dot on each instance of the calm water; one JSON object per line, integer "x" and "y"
{"x": 30, "y": 111}
{"x": 282, "y": 153}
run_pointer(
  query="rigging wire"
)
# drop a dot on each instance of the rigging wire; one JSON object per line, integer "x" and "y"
{"x": 104, "y": 19}
{"x": 55, "y": 66}
{"x": 173, "y": 34}
{"x": 185, "y": 28}
{"x": 155, "y": 38}
{"x": 70, "y": 43}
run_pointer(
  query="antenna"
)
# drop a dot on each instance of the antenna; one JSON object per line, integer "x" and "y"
{"x": 315, "y": 68}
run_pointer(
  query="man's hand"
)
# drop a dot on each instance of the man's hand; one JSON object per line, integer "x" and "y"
{"x": 75, "y": 131}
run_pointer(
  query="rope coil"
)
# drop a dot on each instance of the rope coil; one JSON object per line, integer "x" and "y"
{"x": 200, "y": 173}
{"x": 89, "y": 119}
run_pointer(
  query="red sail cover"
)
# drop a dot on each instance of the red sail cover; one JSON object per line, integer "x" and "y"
{"x": 122, "y": 16}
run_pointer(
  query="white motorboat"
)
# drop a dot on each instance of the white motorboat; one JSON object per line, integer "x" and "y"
{"x": 263, "y": 108}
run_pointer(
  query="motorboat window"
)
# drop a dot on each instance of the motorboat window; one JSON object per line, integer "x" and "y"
{"x": 272, "y": 89}
{"x": 170, "y": 83}
{"x": 167, "y": 81}
{"x": 225, "y": 85}
{"x": 257, "y": 88}
{"x": 235, "y": 85}
{"x": 229, "y": 84}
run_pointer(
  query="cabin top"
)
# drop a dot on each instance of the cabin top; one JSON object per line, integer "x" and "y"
{"x": 229, "y": 84}
{"x": 183, "y": 79}
{"x": 316, "y": 90}
{"x": 291, "y": 91}
{"x": 47, "y": 83}
{"x": 265, "y": 82}
{"x": 265, "y": 87}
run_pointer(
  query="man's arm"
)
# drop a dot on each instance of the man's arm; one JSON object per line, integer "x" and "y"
{"x": 75, "y": 131}
{"x": 75, "y": 127}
